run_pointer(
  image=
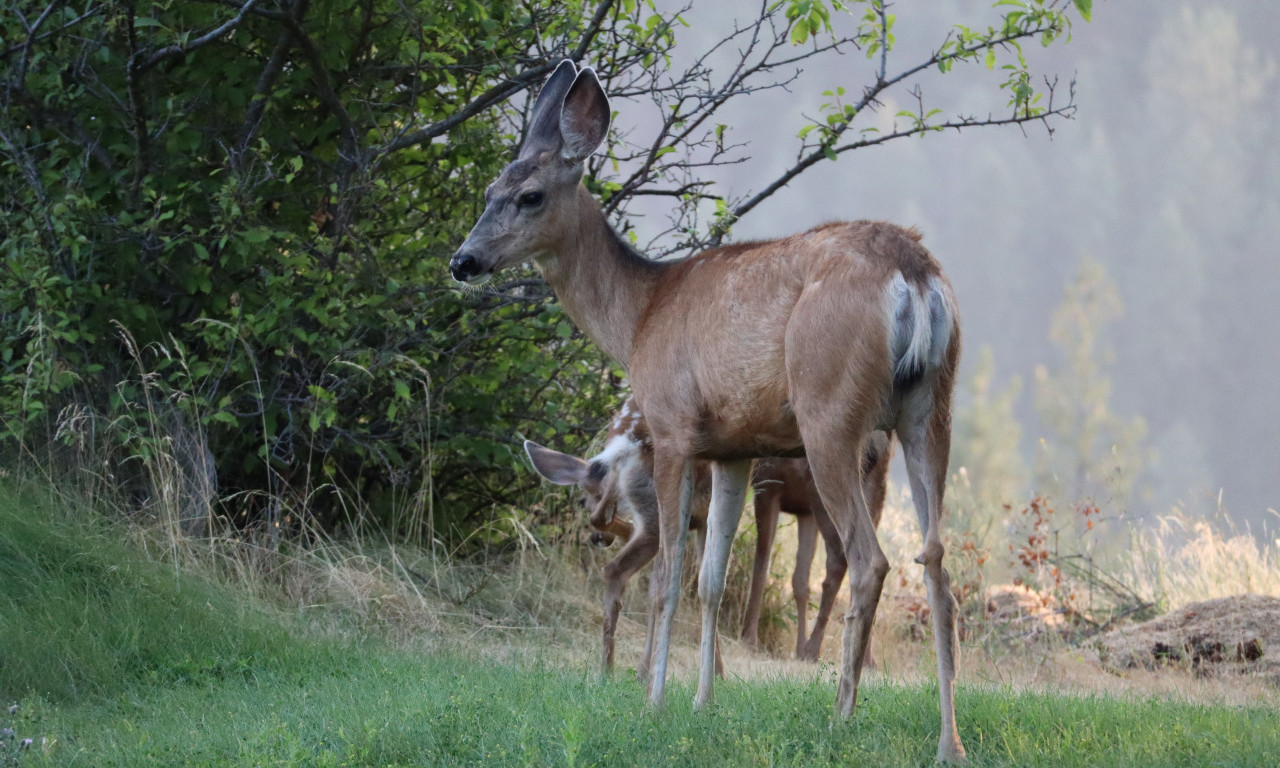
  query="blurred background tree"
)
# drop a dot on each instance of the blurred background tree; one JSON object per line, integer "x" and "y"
{"x": 1087, "y": 451}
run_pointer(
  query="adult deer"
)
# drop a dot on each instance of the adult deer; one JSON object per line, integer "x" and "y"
{"x": 617, "y": 485}
{"x": 801, "y": 345}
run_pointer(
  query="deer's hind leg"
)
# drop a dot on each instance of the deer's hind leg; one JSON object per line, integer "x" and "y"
{"x": 806, "y": 545}
{"x": 876, "y": 451}
{"x": 837, "y": 378}
{"x": 836, "y": 568}
{"x": 925, "y": 434}
{"x": 766, "y": 509}
{"x": 841, "y": 490}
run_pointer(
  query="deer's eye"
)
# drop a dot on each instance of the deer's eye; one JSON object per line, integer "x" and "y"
{"x": 529, "y": 200}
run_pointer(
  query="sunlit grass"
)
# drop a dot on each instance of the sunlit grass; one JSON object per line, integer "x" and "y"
{"x": 382, "y": 707}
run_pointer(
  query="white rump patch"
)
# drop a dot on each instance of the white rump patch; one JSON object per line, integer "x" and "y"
{"x": 919, "y": 322}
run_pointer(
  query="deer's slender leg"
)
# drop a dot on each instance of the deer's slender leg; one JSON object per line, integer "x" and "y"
{"x": 806, "y": 545}
{"x": 926, "y": 444}
{"x": 766, "y": 509}
{"x": 702, "y": 554}
{"x": 835, "y": 416}
{"x": 868, "y": 567}
{"x": 836, "y": 568}
{"x": 830, "y": 426}
{"x": 673, "y": 480}
{"x": 617, "y": 572}
{"x": 656, "y": 596}
{"x": 728, "y": 490}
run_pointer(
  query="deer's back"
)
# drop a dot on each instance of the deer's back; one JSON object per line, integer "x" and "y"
{"x": 710, "y": 363}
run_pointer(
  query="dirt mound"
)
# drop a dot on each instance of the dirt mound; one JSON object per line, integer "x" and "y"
{"x": 1230, "y": 635}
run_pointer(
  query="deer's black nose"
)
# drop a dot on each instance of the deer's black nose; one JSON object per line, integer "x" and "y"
{"x": 463, "y": 266}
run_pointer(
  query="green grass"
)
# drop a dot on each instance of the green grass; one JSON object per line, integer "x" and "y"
{"x": 117, "y": 661}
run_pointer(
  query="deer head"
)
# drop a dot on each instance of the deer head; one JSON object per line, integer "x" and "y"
{"x": 533, "y": 204}
{"x": 604, "y": 482}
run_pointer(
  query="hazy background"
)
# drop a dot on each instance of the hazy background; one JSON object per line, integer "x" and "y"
{"x": 1168, "y": 177}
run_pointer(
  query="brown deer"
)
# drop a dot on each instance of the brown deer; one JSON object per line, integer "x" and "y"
{"x": 617, "y": 486}
{"x": 802, "y": 345}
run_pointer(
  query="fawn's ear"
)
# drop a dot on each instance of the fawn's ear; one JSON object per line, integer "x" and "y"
{"x": 544, "y": 122}
{"x": 559, "y": 468}
{"x": 584, "y": 119}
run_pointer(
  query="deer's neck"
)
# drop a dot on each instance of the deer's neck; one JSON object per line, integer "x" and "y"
{"x": 604, "y": 285}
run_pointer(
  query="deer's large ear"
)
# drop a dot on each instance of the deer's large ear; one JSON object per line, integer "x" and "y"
{"x": 559, "y": 468}
{"x": 584, "y": 121}
{"x": 544, "y": 124}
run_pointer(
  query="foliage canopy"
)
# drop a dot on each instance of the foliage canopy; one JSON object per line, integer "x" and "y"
{"x": 249, "y": 204}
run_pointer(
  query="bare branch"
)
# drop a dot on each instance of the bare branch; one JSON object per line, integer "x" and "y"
{"x": 141, "y": 137}
{"x": 266, "y": 80}
{"x": 589, "y": 34}
{"x": 31, "y": 39}
{"x": 494, "y": 95}
{"x": 1065, "y": 111}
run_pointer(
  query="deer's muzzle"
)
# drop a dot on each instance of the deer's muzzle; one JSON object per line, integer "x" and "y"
{"x": 465, "y": 267}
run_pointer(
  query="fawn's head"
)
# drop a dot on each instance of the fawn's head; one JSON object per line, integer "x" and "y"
{"x": 616, "y": 484}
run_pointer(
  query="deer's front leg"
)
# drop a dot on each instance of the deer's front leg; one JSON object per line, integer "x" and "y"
{"x": 728, "y": 491}
{"x": 657, "y": 595}
{"x": 634, "y": 556}
{"x": 673, "y": 481}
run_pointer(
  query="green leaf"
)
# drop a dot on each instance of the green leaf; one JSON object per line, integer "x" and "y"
{"x": 1085, "y": 7}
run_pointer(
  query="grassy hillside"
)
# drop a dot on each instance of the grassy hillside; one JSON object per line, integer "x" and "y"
{"x": 85, "y": 616}
{"x": 113, "y": 659}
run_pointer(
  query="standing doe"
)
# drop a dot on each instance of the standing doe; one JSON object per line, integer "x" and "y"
{"x": 798, "y": 346}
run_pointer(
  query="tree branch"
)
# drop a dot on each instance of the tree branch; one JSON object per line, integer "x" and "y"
{"x": 494, "y": 95}
{"x": 871, "y": 95}
{"x": 324, "y": 86}
{"x": 502, "y": 91}
{"x": 266, "y": 81}
{"x": 93, "y": 10}
{"x": 1065, "y": 111}
{"x": 181, "y": 48}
